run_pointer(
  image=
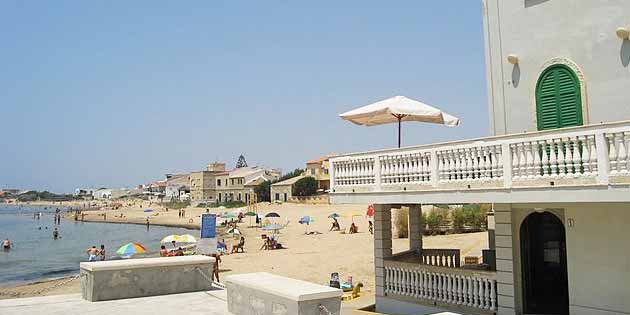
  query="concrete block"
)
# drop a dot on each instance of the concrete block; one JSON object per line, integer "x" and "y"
{"x": 122, "y": 279}
{"x": 504, "y": 253}
{"x": 503, "y": 240}
{"x": 267, "y": 294}
{"x": 503, "y": 217}
{"x": 505, "y": 277}
{"x": 380, "y": 244}
{"x": 503, "y": 229}
{"x": 505, "y": 289}
{"x": 505, "y": 265}
{"x": 505, "y": 301}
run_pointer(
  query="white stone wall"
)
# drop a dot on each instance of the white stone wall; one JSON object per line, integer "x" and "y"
{"x": 541, "y": 32}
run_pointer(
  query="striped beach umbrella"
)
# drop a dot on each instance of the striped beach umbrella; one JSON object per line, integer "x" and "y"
{"x": 131, "y": 249}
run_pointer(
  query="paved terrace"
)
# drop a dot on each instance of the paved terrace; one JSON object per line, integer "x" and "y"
{"x": 207, "y": 303}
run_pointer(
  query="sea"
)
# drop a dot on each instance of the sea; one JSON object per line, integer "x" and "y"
{"x": 37, "y": 256}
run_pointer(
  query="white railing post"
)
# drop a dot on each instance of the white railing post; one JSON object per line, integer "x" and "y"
{"x": 435, "y": 171}
{"x": 331, "y": 174}
{"x": 603, "y": 164}
{"x": 507, "y": 165}
{"x": 377, "y": 173}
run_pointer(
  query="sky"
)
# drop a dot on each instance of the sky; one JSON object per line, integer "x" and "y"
{"x": 119, "y": 93}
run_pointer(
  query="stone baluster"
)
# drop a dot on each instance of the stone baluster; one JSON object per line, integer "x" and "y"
{"x": 468, "y": 163}
{"x": 413, "y": 167}
{"x": 497, "y": 162}
{"x": 593, "y": 155}
{"x": 545, "y": 167}
{"x": 486, "y": 294}
{"x": 586, "y": 155}
{"x": 487, "y": 162}
{"x": 622, "y": 154}
{"x": 469, "y": 292}
{"x": 612, "y": 154}
{"x": 475, "y": 284}
{"x": 384, "y": 169}
{"x": 536, "y": 151}
{"x": 578, "y": 150}
{"x": 515, "y": 170}
{"x": 451, "y": 165}
{"x": 443, "y": 166}
{"x": 569, "y": 158}
{"x": 553, "y": 158}
{"x": 424, "y": 293}
{"x": 522, "y": 160}
{"x": 562, "y": 170}
{"x": 404, "y": 169}
{"x": 424, "y": 167}
{"x": 529, "y": 157}
{"x": 493, "y": 294}
{"x": 474, "y": 163}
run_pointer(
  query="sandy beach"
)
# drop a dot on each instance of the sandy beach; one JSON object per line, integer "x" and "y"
{"x": 306, "y": 257}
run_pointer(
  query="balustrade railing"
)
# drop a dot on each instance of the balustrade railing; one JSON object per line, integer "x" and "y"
{"x": 443, "y": 285}
{"x": 449, "y": 258}
{"x": 571, "y": 156}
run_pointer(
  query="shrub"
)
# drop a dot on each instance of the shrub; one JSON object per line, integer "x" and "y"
{"x": 263, "y": 191}
{"x": 306, "y": 186}
{"x": 175, "y": 204}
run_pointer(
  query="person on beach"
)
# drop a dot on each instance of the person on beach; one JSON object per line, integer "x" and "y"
{"x": 335, "y": 225}
{"x": 102, "y": 253}
{"x": 371, "y": 227}
{"x": 353, "y": 228}
{"x": 179, "y": 252}
{"x": 55, "y": 234}
{"x": 92, "y": 253}
{"x": 6, "y": 244}
{"x": 173, "y": 242}
{"x": 163, "y": 251}
{"x": 215, "y": 270}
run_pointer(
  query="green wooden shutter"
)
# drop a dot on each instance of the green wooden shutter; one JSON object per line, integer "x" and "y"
{"x": 558, "y": 99}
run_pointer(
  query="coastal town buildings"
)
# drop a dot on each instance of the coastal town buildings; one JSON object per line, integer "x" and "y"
{"x": 177, "y": 187}
{"x": 557, "y": 171}
{"x": 317, "y": 168}
{"x": 215, "y": 184}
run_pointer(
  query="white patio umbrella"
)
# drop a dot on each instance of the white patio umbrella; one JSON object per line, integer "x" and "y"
{"x": 398, "y": 109}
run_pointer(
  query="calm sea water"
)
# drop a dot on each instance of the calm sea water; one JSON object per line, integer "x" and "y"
{"x": 36, "y": 255}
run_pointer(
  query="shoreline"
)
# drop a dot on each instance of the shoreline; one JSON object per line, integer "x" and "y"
{"x": 189, "y": 226}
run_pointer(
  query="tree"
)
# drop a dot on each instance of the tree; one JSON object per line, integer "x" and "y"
{"x": 294, "y": 173}
{"x": 306, "y": 186}
{"x": 241, "y": 162}
{"x": 263, "y": 191}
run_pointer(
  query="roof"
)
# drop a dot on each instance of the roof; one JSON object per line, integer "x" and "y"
{"x": 289, "y": 181}
{"x": 244, "y": 171}
{"x": 321, "y": 159}
{"x": 256, "y": 181}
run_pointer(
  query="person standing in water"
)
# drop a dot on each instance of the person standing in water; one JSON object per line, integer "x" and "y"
{"x": 92, "y": 253}
{"x": 55, "y": 234}
{"x": 6, "y": 244}
{"x": 102, "y": 253}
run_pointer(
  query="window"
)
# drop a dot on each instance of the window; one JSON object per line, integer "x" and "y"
{"x": 277, "y": 196}
{"x": 558, "y": 98}
{"x": 239, "y": 196}
{"x": 285, "y": 197}
{"x": 218, "y": 182}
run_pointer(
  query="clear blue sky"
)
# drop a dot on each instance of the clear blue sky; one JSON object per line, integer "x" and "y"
{"x": 117, "y": 93}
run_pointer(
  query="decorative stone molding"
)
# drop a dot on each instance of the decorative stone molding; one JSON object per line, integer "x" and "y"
{"x": 578, "y": 73}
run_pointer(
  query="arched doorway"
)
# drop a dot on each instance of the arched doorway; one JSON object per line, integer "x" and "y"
{"x": 544, "y": 265}
{"x": 558, "y": 98}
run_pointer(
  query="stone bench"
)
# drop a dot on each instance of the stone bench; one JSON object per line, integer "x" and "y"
{"x": 266, "y": 294}
{"x": 121, "y": 279}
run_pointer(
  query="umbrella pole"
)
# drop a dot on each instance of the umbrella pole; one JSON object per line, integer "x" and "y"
{"x": 399, "y": 128}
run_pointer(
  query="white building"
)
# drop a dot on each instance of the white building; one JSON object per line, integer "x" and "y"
{"x": 561, "y": 190}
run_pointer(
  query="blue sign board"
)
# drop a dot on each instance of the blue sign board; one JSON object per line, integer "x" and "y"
{"x": 208, "y": 225}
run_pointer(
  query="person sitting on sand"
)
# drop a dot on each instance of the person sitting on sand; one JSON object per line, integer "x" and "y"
{"x": 179, "y": 252}
{"x": 335, "y": 225}
{"x": 353, "y": 228}
{"x": 92, "y": 253}
{"x": 6, "y": 244}
{"x": 238, "y": 246}
{"x": 163, "y": 251}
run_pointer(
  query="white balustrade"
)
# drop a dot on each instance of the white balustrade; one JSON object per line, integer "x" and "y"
{"x": 467, "y": 288}
{"x": 564, "y": 156}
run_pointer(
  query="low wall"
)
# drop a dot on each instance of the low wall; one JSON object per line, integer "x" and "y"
{"x": 316, "y": 200}
{"x": 266, "y": 294}
{"x": 121, "y": 279}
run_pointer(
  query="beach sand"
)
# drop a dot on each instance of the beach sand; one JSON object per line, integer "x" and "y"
{"x": 306, "y": 257}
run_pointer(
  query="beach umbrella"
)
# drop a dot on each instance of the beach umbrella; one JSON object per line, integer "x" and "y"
{"x": 272, "y": 215}
{"x": 370, "y": 211}
{"x": 250, "y": 214}
{"x": 355, "y": 214}
{"x": 131, "y": 249}
{"x": 186, "y": 238}
{"x": 306, "y": 220}
{"x": 396, "y": 110}
{"x": 234, "y": 231}
{"x": 333, "y": 215}
{"x": 148, "y": 210}
{"x": 272, "y": 227}
{"x": 228, "y": 215}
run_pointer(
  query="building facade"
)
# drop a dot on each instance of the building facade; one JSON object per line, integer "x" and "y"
{"x": 557, "y": 172}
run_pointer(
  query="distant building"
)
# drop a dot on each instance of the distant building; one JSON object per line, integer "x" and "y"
{"x": 177, "y": 187}
{"x": 316, "y": 168}
{"x": 283, "y": 191}
{"x": 215, "y": 184}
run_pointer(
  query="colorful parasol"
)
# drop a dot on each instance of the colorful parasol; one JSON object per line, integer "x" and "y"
{"x": 131, "y": 249}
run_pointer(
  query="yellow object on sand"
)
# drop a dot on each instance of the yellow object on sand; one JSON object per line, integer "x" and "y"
{"x": 356, "y": 292}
